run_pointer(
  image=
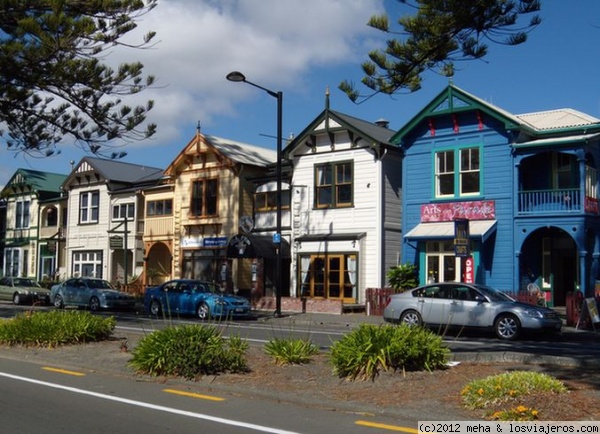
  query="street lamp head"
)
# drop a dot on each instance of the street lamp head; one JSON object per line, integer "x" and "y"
{"x": 236, "y": 76}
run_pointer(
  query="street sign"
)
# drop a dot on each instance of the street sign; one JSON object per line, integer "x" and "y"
{"x": 277, "y": 238}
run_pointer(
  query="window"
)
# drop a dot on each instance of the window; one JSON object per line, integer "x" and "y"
{"x": 50, "y": 217}
{"x": 88, "y": 207}
{"x": 87, "y": 264}
{"x": 267, "y": 200}
{"x": 333, "y": 185}
{"x": 155, "y": 208}
{"x": 22, "y": 214}
{"x": 204, "y": 198}
{"x": 469, "y": 171}
{"x": 11, "y": 262}
{"x": 591, "y": 182}
{"x": 122, "y": 211}
{"x": 329, "y": 276}
{"x": 468, "y": 182}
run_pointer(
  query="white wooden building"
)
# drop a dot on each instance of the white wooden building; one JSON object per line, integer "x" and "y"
{"x": 345, "y": 207}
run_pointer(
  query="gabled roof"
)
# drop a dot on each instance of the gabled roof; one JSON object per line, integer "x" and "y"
{"x": 236, "y": 152}
{"x": 541, "y": 124}
{"x": 455, "y": 100}
{"x": 34, "y": 180}
{"x": 118, "y": 172}
{"x": 372, "y": 133}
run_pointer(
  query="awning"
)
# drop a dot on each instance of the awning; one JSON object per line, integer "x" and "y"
{"x": 332, "y": 237}
{"x": 481, "y": 229}
{"x": 256, "y": 246}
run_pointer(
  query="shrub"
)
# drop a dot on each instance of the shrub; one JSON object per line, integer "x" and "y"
{"x": 189, "y": 351}
{"x": 403, "y": 277}
{"x": 291, "y": 351}
{"x": 55, "y": 328}
{"x": 367, "y": 350}
{"x": 507, "y": 388}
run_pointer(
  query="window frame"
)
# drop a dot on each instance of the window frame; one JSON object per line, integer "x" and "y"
{"x": 89, "y": 208}
{"x": 153, "y": 204}
{"x": 202, "y": 206}
{"x": 22, "y": 213}
{"x": 266, "y": 201}
{"x": 129, "y": 209}
{"x": 458, "y": 172}
{"x": 330, "y": 182}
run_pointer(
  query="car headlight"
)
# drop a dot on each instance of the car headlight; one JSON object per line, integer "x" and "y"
{"x": 534, "y": 313}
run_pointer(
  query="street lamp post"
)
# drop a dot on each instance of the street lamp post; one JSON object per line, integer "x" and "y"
{"x": 237, "y": 76}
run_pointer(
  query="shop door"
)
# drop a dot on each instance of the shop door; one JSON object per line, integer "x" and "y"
{"x": 332, "y": 277}
{"x": 442, "y": 264}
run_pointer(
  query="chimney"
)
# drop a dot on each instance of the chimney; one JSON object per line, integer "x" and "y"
{"x": 382, "y": 123}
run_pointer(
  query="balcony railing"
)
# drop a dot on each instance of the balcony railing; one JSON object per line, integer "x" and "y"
{"x": 565, "y": 201}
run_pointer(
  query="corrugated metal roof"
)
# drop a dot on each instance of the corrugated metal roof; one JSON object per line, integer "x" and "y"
{"x": 119, "y": 171}
{"x": 38, "y": 180}
{"x": 243, "y": 153}
{"x": 558, "y": 119}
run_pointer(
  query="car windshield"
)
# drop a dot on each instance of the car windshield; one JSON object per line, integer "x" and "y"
{"x": 99, "y": 284}
{"x": 202, "y": 287}
{"x": 25, "y": 282}
{"x": 493, "y": 294}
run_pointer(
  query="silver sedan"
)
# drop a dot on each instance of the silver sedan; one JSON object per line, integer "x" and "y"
{"x": 469, "y": 305}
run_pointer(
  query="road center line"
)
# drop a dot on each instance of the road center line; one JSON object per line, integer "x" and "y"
{"x": 193, "y": 395}
{"x": 63, "y": 371}
{"x": 150, "y": 406}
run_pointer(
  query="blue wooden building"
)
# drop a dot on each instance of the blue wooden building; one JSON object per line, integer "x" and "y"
{"x": 520, "y": 189}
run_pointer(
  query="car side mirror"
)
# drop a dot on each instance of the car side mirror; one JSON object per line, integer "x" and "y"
{"x": 480, "y": 298}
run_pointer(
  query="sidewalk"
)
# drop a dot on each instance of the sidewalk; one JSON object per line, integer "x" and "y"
{"x": 520, "y": 353}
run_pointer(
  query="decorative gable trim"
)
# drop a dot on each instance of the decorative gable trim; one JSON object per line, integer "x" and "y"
{"x": 453, "y": 100}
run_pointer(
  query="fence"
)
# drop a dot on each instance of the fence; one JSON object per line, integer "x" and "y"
{"x": 377, "y": 300}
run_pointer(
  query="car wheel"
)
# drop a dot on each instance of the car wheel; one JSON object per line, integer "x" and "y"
{"x": 203, "y": 311}
{"x": 155, "y": 307}
{"x": 94, "y": 304}
{"x": 411, "y": 318}
{"x": 507, "y": 327}
{"x": 16, "y": 298}
{"x": 58, "y": 302}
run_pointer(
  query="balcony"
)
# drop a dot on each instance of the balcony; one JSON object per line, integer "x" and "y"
{"x": 536, "y": 202}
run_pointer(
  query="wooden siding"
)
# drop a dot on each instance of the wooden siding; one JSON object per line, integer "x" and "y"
{"x": 497, "y": 185}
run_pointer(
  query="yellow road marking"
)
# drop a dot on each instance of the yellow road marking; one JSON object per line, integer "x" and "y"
{"x": 193, "y": 395}
{"x": 63, "y": 371}
{"x": 387, "y": 427}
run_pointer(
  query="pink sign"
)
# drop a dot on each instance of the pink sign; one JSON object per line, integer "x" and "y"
{"x": 469, "y": 270}
{"x": 447, "y": 212}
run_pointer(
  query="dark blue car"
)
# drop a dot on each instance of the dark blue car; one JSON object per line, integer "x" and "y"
{"x": 194, "y": 297}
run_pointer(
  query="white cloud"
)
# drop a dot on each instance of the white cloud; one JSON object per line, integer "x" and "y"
{"x": 273, "y": 41}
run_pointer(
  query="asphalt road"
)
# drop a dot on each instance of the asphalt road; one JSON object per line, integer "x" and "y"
{"x": 35, "y": 399}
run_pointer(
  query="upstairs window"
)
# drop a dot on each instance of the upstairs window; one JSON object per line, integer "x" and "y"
{"x": 334, "y": 185}
{"x": 469, "y": 171}
{"x": 89, "y": 205}
{"x": 157, "y": 208}
{"x": 122, "y": 211}
{"x": 451, "y": 181}
{"x": 22, "y": 214}
{"x": 267, "y": 200}
{"x": 204, "y": 198}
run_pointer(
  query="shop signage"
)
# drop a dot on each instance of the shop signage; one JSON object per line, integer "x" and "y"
{"x": 469, "y": 270}
{"x": 215, "y": 242}
{"x": 447, "y": 212}
{"x": 116, "y": 242}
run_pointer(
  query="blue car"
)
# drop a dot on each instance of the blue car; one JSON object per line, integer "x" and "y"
{"x": 194, "y": 297}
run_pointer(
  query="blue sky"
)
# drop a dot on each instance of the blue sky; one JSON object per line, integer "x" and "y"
{"x": 302, "y": 47}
